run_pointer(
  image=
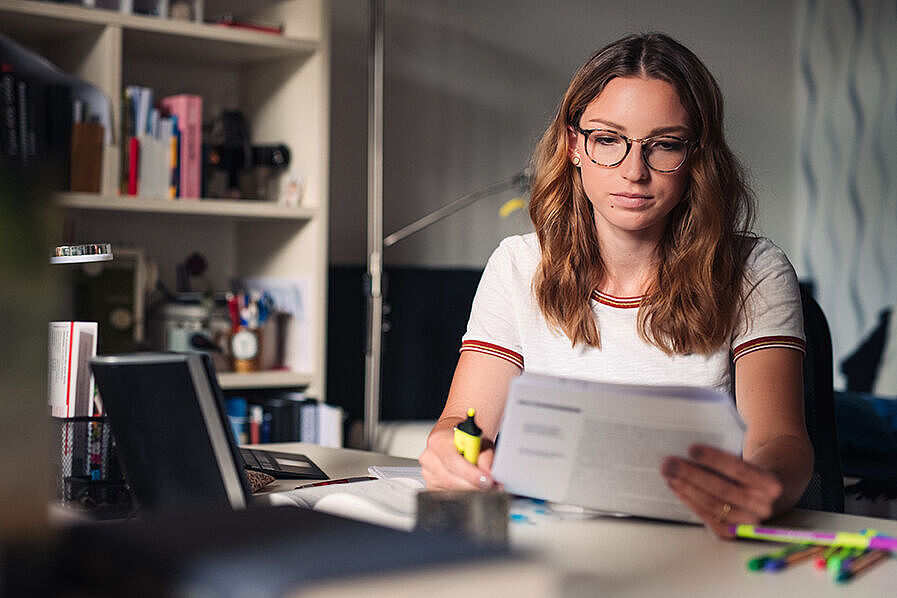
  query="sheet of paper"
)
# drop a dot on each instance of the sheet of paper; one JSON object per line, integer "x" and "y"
{"x": 600, "y": 446}
{"x": 388, "y": 472}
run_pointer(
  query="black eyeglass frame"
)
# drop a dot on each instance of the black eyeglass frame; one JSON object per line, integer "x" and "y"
{"x": 629, "y": 141}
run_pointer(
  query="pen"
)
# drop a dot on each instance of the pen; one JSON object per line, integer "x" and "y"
{"x": 468, "y": 437}
{"x": 758, "y": 563}
{"x": 861, "y": 563}
{"x": 362, "y": 478}
{"x": 805, "y": 552}
{"x": 798, "y": 536}
{"x": 825, "y": 556}
{"x": 840, "y": 560}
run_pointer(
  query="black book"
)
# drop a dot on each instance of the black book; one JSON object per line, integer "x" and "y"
{"x": 59, "y": 134}
{"x": 9, "y": 135}
{"x": 24, "y": 130}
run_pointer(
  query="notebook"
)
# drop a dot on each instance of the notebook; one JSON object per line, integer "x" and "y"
{"x": 173, "y": 437}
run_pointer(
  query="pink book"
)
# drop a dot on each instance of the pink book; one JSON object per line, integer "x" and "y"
{"x": 188, "y": 109}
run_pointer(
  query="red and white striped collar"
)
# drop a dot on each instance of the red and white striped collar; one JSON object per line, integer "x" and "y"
{"x": 612, "y": 301}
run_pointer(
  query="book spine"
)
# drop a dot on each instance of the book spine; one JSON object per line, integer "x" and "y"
{"x": 174, "y": 184}
{"x": 59, "y": 362}
{"x": 9, "y": 135}
{"x": 256, "y": 417}
{"x": 133, "y": 165}
{"x": 86, "y": 157}
{"x": 309, "y": 421}
{"x": 23, "y": 126}
{"x": 59, "y": 134}
{"x": 188, "y": 110}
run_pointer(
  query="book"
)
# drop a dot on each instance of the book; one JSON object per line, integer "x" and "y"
{"x": 188, "y": 110}
{"x": 330, "y": 425}
{"x": 9, "y": 130}
{"x": 70, "y": 390}
{"x": 25, "y": 124}
{"x": 309, "y": 422}
{"x": 58, "y": 134}
{"x": 86, "y": 162}
{"x": 133, "y": 165}
{"x": 387, "y": 502}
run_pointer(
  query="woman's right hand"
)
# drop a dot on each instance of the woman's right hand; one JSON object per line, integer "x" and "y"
{"x": 445, "y": 469}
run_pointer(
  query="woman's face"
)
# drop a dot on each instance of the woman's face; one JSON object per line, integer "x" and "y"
{"x": 631, "y": 199}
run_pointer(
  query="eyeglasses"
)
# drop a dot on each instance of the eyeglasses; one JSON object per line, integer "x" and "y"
{"x": 662, "y": 153}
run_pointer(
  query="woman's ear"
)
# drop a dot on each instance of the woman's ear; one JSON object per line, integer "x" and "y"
{"x": 572, "y": 138}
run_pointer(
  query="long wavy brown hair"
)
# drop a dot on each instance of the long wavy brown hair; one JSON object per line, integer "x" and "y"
{"x": 690, "y": 306}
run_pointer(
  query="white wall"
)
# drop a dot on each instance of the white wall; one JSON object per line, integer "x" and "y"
{"x": 471, "y": 85}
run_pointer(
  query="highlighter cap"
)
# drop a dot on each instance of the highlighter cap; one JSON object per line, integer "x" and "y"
{"x": 469, "y": 426}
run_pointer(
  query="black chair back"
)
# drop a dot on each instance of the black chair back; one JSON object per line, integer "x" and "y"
{"x": 825, "y": 491}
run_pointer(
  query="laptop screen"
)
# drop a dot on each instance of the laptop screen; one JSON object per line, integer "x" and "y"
{"x": 174, "y": 442}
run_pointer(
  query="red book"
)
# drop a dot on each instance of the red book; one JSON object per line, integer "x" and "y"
{"x": 133, "y": 162}
{"x": 188, "y": 109}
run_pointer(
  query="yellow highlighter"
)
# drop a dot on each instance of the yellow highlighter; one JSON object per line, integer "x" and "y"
{"x": 468, "y": 436}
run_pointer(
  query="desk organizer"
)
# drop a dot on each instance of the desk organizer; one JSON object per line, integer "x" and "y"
{"x": 87, "y": 469}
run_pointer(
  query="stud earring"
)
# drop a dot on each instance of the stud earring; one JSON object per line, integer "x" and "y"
{"x": 576, "y": 160}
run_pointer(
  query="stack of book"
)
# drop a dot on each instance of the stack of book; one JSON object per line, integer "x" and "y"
{"x": 288, "y": 417}
{"x": 162, "y": 149}
{"x": 50, "y": 120}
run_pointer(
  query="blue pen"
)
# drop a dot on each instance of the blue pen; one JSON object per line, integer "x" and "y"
{"x": 759, "y": 563}
{"x": 805, "y": 552}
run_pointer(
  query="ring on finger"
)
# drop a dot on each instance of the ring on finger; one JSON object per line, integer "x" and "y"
{"x": 723, "y": 512}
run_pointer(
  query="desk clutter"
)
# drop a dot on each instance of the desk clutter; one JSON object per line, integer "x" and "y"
{"x": 843, "y": 555}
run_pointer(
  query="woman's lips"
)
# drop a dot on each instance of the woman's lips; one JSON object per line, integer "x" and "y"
{"x": 630, "y": 200}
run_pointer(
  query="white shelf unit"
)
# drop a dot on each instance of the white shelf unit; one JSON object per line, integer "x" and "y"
{"x": 279, "y": 82}
{"x": 269, "y": 379}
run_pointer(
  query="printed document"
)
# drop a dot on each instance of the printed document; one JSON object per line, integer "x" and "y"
{"x": 600, "y": 446}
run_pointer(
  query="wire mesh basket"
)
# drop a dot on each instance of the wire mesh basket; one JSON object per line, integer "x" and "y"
{"x": 87, "y": 469}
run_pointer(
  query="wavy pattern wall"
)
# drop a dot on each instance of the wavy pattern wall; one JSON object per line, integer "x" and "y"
{"x": 847, "y": 183}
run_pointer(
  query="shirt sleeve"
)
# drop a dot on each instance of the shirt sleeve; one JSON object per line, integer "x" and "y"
{"x": 771, "y": 315}
{"x": 492, "y": 328}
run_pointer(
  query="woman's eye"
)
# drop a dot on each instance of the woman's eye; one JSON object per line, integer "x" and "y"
{"x": 668, "y": 145}
{"x": 605, "y": 140}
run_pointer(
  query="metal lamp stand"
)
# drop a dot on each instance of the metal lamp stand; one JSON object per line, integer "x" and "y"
{"x": 375, "y": 240}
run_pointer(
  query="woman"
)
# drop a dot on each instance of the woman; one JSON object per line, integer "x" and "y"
{"x": 643, "y": 269}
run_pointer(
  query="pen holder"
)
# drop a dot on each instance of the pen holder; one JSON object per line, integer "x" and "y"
{"x": 480, "y": 516}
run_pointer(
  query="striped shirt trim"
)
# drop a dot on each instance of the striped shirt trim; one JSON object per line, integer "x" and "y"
{"x": 494, "y": 350}
{"x": 621, "y": 302}
{"x": 769, "y": 342}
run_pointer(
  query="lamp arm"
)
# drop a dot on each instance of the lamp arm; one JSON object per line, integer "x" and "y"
{"x": 518, "y": 181}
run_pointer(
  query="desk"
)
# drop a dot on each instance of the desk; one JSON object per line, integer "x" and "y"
{"x": 615, "y": 557}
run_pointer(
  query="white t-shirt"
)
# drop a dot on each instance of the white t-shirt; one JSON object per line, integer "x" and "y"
{"x": 506, "y": 322}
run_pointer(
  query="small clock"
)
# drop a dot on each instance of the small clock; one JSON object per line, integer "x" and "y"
{"x": 244, "y": 344}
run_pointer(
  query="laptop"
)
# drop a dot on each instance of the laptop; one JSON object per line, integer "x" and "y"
{"x": 173, "y": 436}
{"x": 195, "y": 536}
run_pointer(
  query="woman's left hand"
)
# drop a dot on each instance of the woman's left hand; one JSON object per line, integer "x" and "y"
{"x": 721, "y": 488}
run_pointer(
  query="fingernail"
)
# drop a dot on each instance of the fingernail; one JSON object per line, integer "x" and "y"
{"x": 484, "y": 482}
{"x": 696, "y": 452}
{"x": 670, "y": 468}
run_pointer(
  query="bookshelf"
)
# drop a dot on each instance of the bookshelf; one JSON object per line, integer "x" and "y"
{"x": 279, "y": 82}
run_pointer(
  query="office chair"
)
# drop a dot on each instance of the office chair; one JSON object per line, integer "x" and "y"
{"x": 825, "y": 492}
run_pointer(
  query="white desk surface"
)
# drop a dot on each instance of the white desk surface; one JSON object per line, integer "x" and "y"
{"x": 618, "y": 556}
